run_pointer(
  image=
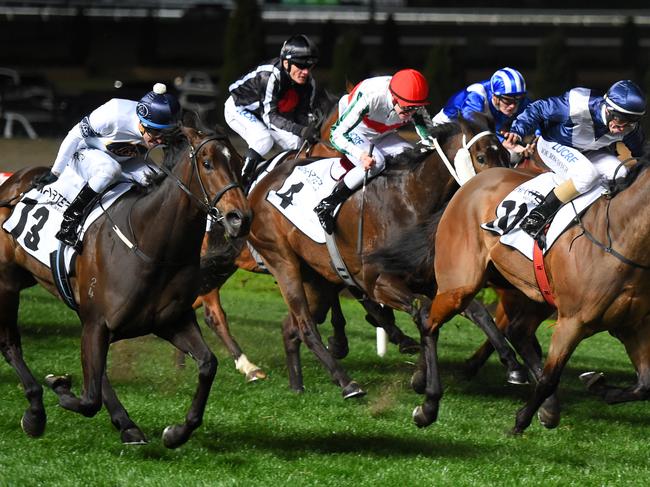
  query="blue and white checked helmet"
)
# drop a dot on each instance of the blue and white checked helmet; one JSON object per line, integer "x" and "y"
{"x": 625, "y": 100}
{"x": 509, "y": 82}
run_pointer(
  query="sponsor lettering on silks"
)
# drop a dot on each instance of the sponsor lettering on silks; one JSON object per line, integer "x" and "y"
{"x": 564, "y": 152}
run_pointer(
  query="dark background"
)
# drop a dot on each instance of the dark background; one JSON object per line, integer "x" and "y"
{"x": 75, "y": 51}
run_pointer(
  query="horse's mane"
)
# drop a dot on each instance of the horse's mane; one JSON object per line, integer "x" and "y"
{"x": 324, "y": 105}
{"x": 618, "y": 185}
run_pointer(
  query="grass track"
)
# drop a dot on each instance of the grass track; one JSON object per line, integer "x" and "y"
{"x": 263, "y": 434}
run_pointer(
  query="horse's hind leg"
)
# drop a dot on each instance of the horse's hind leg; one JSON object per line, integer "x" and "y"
{"x": 338, "y": 343}
{"x": 516, "y": 373}
{"x": 130, "y": 433}
{"x": 216, "y": 319}
{"x": 187, "y": 337}
{"x": 34, "y": 418}
{"x": 291, "y": 340}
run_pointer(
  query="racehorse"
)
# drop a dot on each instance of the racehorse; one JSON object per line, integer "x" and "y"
{"x": 401, "y": 196}
{"x": 598, "y": 272}
{"x": 124, "y": 292}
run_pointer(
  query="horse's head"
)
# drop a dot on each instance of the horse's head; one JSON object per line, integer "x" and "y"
{"x": 480, "y": 141}
{"x": 213, "y": 180}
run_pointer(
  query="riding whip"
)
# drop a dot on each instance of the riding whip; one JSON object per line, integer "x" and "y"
{"x": 363, "y": 201}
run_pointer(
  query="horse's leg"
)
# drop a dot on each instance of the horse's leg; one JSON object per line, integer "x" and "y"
{"x": 566, "y": 336}
{"x": 291, "y": 340}
{"x": 34, "y": 418}
{"x": 338, "y": 343}
{"x": 186, "y": 336}
{"x": 516, "y": 373}
{"x": 637, "y": 345}
{"x": 384, "y": 317}
{"x": 94, "y": 348}
{"x": 130, "y": 433}
{"x": 216, "y": 319}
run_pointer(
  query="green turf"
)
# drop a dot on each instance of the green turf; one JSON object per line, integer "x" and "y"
{"x": 264, "y": 434}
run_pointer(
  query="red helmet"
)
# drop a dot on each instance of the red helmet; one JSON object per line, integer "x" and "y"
{"x": 409, "y": 87}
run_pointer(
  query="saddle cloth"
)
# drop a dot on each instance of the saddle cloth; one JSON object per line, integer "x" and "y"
{"x": 303, "y": 189}
{"x": 522, "y": 199}
{"x": 38, "y": 215}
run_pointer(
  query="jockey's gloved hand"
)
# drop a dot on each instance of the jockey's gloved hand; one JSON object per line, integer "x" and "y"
{"x": 44, "y": 179}
{"x": 311, "y": 134}
{"x": 427, "y": 141}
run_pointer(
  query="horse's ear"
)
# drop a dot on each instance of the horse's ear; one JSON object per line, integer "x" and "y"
{"x": 190, "y": 119}
{"x": 348, "y": 86}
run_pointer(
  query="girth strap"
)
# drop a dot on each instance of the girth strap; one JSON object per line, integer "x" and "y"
{"x": 540, "y": 274}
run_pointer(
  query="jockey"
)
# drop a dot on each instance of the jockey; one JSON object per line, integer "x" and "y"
{"x": 501, "y": 99}
{"x": 115, "y": 132}
{"x": 272, "y": 103}
{"x": 370, "y": 116}
{"x": 579, "y": 133}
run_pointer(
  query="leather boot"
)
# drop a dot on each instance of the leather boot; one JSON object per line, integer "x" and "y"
{"x": 72, "y": 217}
{"x": 536, "y": 220}
{"x": 326, "y": 207}
{"x": 251, "y": 160}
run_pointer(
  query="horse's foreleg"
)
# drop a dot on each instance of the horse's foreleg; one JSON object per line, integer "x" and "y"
{"x": 568, "y": 333}
{"x": 291, "y": 340}
{"x": 216, "y": 319}
{"x": 34, "y": 418}
{"x": 338, "y": 343}
{"x": 130, "y": 433}
{"x": 384, "y": 317}
{"x": 187, "y": 337}
{"x": 94, "y": 348}
{"x": 516, "y": 373}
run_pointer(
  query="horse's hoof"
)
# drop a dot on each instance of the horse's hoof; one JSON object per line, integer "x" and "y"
{"x": 298, "y": 390}
{"x": 418, "y": 382}
{"x": 547, "y": 418}
{"x": 338, "y": 349}
{"x": 353, "y": 390}
{"x": 133, "y": 436}
{"x": 408, "y": 346}
{"x": 424, "y": 416}
{"x": 33, "y": 424}
{"x": 517, "y": 377}
{"x": 174, "y": 436}
{"x": 58, "y": 381}
{"x": 255, "y": 375}
{"x": 590, "y": 379}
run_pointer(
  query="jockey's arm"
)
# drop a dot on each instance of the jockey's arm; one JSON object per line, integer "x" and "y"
{"x": 348, "y": 120}
{"x": 423, "y": 124}
{"x": 67, "y": 150}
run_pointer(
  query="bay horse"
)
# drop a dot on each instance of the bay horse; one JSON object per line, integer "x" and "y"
{"x": 125, "y": 292}
{"x": 598, "y": 271}
{"x": 401, "y": 196}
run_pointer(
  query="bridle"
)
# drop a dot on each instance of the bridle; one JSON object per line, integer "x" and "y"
{"x": 461, "y": 157}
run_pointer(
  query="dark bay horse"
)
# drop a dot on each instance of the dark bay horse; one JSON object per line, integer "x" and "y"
{"x": 597, "y": 287}
{"x": 404, "y": 194}
{"x": 122, "y": 293}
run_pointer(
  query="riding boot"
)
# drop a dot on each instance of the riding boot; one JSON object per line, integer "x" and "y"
{"x": 251, "y": 160}
{"x": 325, "y": 209}
{"x": 536, "y": 220}
{"x": 72, "y": 217}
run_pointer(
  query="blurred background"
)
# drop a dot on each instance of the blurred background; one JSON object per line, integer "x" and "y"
{"x": 60, "y": 59}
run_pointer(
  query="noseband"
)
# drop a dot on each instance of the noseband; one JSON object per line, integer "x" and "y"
{"x": 464, "y": 152}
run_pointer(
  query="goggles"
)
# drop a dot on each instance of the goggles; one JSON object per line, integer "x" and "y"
{"x": 510, "y": 100}
{"x": 303, "y": 64}
{"x": 623, "y": 118}
{"x": 408, "y": 109}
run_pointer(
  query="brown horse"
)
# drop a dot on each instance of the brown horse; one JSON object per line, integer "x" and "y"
{"x": 599, "y": 283}
{"x": 401, "y": 196}
{"x": 148, "y": 288}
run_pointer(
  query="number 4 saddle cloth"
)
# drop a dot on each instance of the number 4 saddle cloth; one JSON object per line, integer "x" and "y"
{"x": 37, "y": 217}
{"x": 524, "y": 198}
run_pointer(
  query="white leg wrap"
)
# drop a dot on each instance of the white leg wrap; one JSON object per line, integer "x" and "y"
{"x": 243, "y": 365}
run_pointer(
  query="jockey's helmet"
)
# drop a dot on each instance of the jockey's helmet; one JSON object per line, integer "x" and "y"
{"x": 507, "y": 81}
{"x": 409, "y": 87}
{"x": 625, "y": 101}
{"x": 158, "y": 109}
{"x": 299, "y": 50}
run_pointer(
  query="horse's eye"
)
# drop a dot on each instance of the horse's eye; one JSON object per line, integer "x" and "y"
{"x": 481, "y": 159}
{"x": 207, "y": 163}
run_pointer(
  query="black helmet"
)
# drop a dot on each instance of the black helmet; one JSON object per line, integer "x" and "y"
{"x": 299, "y": 49}
{"x": 158, "y": 109}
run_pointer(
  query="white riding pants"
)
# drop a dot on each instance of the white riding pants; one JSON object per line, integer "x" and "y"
{"x": 584, "y": 169}
{"x": 96, "y": 167}
{"x": 389, "y": 143}
{"x": 257, "y": 135}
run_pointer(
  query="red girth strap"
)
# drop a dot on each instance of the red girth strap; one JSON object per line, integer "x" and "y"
{"x": 373, "y": 124}
{"x": 540, "y": 275}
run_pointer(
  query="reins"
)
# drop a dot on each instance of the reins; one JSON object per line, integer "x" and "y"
{"x": 608, "y": 248}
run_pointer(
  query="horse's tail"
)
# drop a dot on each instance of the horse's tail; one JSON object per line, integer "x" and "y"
{"x": 412, "y": 252}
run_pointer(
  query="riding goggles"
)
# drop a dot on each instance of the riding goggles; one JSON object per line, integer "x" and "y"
{"x": 304, "y": 63}
{"x": 510, "y": 100}
{"x": 623, "y": 118}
